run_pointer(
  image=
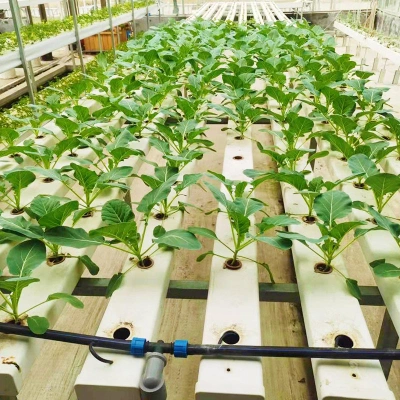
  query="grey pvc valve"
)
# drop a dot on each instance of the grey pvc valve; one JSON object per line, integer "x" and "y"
{"x": 152, "y": 385}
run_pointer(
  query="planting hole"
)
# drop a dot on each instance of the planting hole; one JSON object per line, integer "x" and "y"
{"x": 15, "y": 155}
{"x": 229, "y": 337}
{"x": 160, "y": 216}
{"x": 343, "y": 159}
{"x": 73, "y": 155}
{"x": 146, "y": 263}
{"x": 40, "y": 137}
{"x": 121, "y": 333}
{"x": 55, "y": 260}
{"x": 359, "y": 185}
{"x": 88, "y": 214}
{"x": 372, "y": 220}
{"x": 343, "y": 341}
{"x": 239, "y": 137}
{"x": 309, "y": 219}
{"x": 322, "y": 268}
{"x": 228, "y": 370}
{"x": 15, "y": 211}
{"x": 325, "y": 122}
{"x": 354, "y": 375}
{"x": 48, "y": 180}
{"x": 386, "y": 138}
{"x": 238, "y": 158}
{"x": 230, "y": 264}
{"x": 177, "y": 182}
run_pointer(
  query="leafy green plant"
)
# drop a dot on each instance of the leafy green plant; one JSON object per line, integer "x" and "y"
{"x": 239, "y": 207}
{"x": 330, "y": 207}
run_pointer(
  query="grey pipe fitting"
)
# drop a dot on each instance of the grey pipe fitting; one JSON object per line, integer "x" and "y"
{"x": 152, "y": 385}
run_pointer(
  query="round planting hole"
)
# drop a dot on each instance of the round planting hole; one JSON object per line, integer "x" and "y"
{"x": 121, "y": 333}
{"x": 230, "y": 337}
{"x": 72, "y": 155}
{"x": 358, "y": 185}
{"x": 372, "y": 220}
{"x": 343, "y": 341}
{"x": 386, "y": 138}
{"x": 239, "y": 137}
{"x": 309, "y": 219}
{"x": 228, "y": 370}
{"x": 88, "y": 214}
{"x": 146, "y": 263}
{"x": 138, "y": 136}
{"x": 160, "y": 216}
{"x": 238, "y": 158}
{"x": 322, "y": 268}
{"x": 55, "y": 260}
{"x": 325, "y": 122}
{"x": 230, "y": 264}
{"x": 40, "y": 137}
{"x": 15, "y": 211}
{"x": 177, "y": 182}
{"x": 354, "y": 375}
{"x": 15, "y": 155}
{"x": 343, "y": 159}
{"x": 48, "y": 180}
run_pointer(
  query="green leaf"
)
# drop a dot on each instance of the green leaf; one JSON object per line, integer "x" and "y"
{"x": 15, "y": 285}
{"x": 25, "y": 257}
{"x": 201, "y": 257}
{"x": 75, "y": 302}
{"x": 332, "y": 205}
{"x": 300, "y": 237}
{"x": 361, "y": 164}
{"x": 73, "y": 237}
{"x": 346, "y": 124}
{"x": 86, "y": 178}
{"x": 218, "y": 195}
{"x": 188, "y": 180}
{"x": 208, "y": 233}
{"x": 246, "y": 206}
{"x": 125, "y": 232}
{"x": 114, "y": 284}
{"x": 67, "y": 125}
{"x": 353, "y": 287}
{"x": 344, "y": 105}
{"x": 277, "y": 220}
{"x": 386, "y": 270}
{"x": 301, "y": 125}
{"x": 59, "y": 215}
{"x": 20, "y": 179}
{"x": 92, "y": 267}
{"x": 158, "y": 231}
{"x": 179, "y": 238}
{"x": 340, "y": 230}
{"x": 385, "y": 223}
{"x": 339, "y": 144}
{"x": 38, "y": 325}
{"x": 115, "y": 174}
{"x": 384, "y": 183}
{"x": 115, "y": 211}
{"x": 42, "y": 205}
{"x": 277, "y": 241}
{"x": 21, "y": 226}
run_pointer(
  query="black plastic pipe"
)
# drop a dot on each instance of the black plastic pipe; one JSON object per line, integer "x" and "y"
{"x": 210, "y": 350}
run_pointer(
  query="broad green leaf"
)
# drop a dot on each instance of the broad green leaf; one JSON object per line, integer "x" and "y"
{"x": 277, "y": 241}
{"x": 42, "y": 205}
{"x": 23, "y": 258}
{"x": 384, "y": 183}
{"x": 353, "y": 287}
{"x": 67, "y": 125}
{"x": 201, "y": 257}
{"x": 340, "y": 230}
{"x": 48, "y": 173}
{"x": 240, "y": 222}
{"x": 115, "y": 211}
{"x": 331, "y": 205}
{"x": 125, "y": 232}
{"x": 373, "y": 95}
{"x": 72, "y": 237}
{"x": 385, "y": 223}
{"x": 361, "y": 164}
{"x": 86, "y": 178}
{"x": 218, "y": 195}
{"x": 208, "y": 233}
{"x": 339, "y": 144}
{"x": 21, "y": 226}
{"x": 15, "y": 285}
{"x": 300, "y": 237}
{"x": 301, "y": 125}
{"x": 158, "y": 231}
{"x": 179, "y": 238}
{"x": 344, "y": 105}
{"x": 188, "y": 180}
{"x": 386, "y": 270}
{"x": 75, "y": 302}
{"x": 114, "y": 284}
{"x": 246, "y": 206}
{"x": 346, "y": 124}
{"x": 91, "y": 266}
{"x": 277, "y": 220}
{"x": 38, "y": 325}
{"x": 115, "y": 174}
{"x": 58, "y": 216}
{"x": 20, "y": 179}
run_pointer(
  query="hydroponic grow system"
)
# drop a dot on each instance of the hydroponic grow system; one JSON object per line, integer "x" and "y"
{"x": 139, "y": 126}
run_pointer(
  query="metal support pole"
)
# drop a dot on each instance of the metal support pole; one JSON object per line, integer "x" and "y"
{"x": 396, "y": 77}
{"x": 98, "y": 35}
{"x": 111, "y": 26}
{"x": 388, "y": 338}
{"x": 147, "y": 15}
{"x": 376, "y": 63}
{"x": 183, "y": 7}
{"x": 133, "y": 18}
{"x": 29, "y": 76}
{"x": 383, "y": 72}
{"x": 78, "y": 40}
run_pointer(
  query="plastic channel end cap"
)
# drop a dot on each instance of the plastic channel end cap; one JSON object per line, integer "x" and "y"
{"x": 181, "y": 348}
{"x": 137, "y": 347}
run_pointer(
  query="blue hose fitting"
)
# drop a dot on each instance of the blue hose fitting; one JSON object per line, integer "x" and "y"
{"x": 180, "y": 348}
{"x": 137, "y": 347}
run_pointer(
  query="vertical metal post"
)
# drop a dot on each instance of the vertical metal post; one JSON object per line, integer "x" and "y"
{"x": 383, "y": 72}
{"x": 183, "y": 7}
{"x": 396, "y": 77}
{"x": 111, "y": 26}
{"x": 133, "y": 18}
{"x": 100, "y": 42}
{"x": 376, "y": 63}
{"x": 147, "y": 15}
{"x": 27, "y": 66}
{"x": 388, "y": 339}
{"x": 76, "y": 27}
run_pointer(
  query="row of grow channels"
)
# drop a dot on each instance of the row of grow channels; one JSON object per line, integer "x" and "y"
{"x": 91, "y": 153}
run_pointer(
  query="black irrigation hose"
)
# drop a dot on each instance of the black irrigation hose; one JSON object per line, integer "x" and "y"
{"x": 209, "y": 350}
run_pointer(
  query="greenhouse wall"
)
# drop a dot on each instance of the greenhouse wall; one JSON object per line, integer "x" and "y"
{"x": 388, "y": 18}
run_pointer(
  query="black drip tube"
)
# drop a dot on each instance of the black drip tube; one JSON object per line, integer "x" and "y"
{"x": 209, "y": 350}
